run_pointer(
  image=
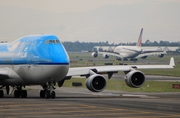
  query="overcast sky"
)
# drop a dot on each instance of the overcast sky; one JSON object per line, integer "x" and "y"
{"x": 66, "y": 5}
{"x": 156, "y": 27}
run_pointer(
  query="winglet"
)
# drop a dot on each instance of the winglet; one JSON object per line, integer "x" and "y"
{"x": 140, "y": 39}
{"x": 171, "y": 63}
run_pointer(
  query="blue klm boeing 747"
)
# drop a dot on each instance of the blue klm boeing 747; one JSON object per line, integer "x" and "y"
{"x": 43, "y": 60}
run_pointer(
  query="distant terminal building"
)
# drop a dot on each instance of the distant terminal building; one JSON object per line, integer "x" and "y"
{"x": 167, "y": 48}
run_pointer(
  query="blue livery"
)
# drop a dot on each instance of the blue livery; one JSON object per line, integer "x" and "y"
{"x": 36, "y": 49}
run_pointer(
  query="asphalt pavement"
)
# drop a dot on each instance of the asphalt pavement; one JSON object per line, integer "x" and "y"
{"x": 80, "y": 102}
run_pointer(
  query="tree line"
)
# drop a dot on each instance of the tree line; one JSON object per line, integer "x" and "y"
{"x": 88, "y": 46}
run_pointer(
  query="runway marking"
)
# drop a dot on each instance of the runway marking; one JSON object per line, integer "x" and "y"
{"x": 140, "y": 96}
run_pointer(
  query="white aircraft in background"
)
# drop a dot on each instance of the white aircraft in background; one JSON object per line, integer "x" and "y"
{"x": 130, "y": 52}
{"x": 43, "y": 60}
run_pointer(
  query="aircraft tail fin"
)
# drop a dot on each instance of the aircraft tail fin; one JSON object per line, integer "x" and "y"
{"x": 138, "y": 44}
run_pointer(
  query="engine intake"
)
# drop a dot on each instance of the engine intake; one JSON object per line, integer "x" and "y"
{"x": 135, "y": 79}
{"x": 161, "y": 55}
{"x": 144, "y": 57}
{"x": 94, "y": 54}
{"x": 105, "y": 56}
{"x": 96, "y": 83}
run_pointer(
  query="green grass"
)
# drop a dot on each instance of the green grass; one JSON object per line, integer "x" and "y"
{"x": 149, "y": 86}
{"x": 120, "y": 85}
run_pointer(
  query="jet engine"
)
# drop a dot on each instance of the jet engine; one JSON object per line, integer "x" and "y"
{"x": 161, "y": 55}
{"x": 96, "y": 83}
{"x": 118, "y": 58}
{"x": 105, "y": 56}
{"x": 134, "y": 79}
{"x": 144, "y": 57}
{"x": 94, "y": 54}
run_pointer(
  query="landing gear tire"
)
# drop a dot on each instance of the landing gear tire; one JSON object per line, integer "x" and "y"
{"x": 17, "y": 94}
{"x": 48, "y": 91}
{"x": 20, "y": 93}
{"x": 53, "y": 94}
{"x": 1, "y": 94}
{"x": 23, "y": 93}
{"x": 47, "y": 95}
{"x": 42, "y": 93}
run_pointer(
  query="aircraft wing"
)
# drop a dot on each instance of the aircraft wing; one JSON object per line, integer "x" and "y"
{"x": 98, "y": 69}
{"x": 84, "y": 71}
{"x": 96, "y": 82}
{"x": 149, "y": 53}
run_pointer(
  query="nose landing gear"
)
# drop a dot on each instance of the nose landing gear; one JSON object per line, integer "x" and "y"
{"x": 48, "y": 91}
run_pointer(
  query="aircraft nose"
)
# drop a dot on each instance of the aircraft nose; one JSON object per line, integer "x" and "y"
{"x": 61, "y": 55}
{"x": 57, "y": 54}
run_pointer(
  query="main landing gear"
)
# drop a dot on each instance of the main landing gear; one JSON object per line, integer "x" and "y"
{"x": 20, "y": 93}
{"x": 17, "y": 93}
{"x": 1, "y": 94}
{"x": 48, "y": 91}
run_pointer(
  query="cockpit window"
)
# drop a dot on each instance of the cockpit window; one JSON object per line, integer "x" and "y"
{"x": 52, "y": 42}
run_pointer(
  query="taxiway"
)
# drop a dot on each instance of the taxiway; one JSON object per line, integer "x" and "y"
{"x": 80, "y": 102}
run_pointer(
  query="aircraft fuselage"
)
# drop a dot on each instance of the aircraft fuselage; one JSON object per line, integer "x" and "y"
{"x": 33, "y": 60}
{"x": 128, "y": 51}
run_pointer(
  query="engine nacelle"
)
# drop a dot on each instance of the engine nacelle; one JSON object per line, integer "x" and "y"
{"x": 161, "y": 55}
{"x": 134, "y": 79}
{"x": 94, "y": 54}
{"x": 96, "y": 83}
{"x": 144, "y": 57}
{"x": 118, "y": 58}
{"x": 60, "y": 83}
{"x": 105, "y": 56}
{"x": 134, "y": 59}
